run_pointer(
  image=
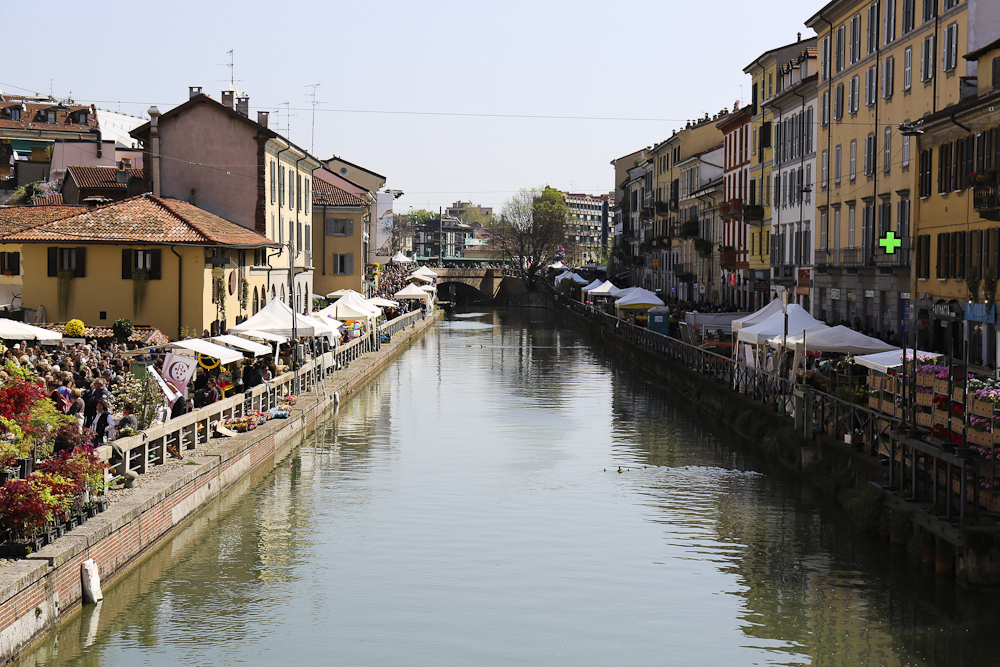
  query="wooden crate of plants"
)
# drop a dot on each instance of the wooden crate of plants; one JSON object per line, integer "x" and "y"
{"x": 926, "y": 379}
{"x": 940, "y": 386}
{"x": 873, "y": 402}
{"x": 958, "y": 394}
{"x": 925, "y": 419}
{"x": 925, "y": 398}
{"x": 940, "y": 416}
{"x": 981, "y": 438}
{"x": 983, "y": 408}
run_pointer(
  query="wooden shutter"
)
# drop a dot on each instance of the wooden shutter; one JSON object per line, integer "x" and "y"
{"x": 155, "y": 263}
{"x": 349, "y": 264}
{"x": 127, "y": 263}
{"x": 349, "y": 228}
{"x": 53, "y": 268}
{"x": 81, "y": 263}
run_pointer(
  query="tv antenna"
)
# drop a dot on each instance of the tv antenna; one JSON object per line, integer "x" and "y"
{"x": 288, "y": 115}
{"x": 232, "y": 70}
{"x": 312, "y": 139}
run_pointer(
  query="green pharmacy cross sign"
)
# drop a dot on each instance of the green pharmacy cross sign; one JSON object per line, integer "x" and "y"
{"x": 890, "y": 243}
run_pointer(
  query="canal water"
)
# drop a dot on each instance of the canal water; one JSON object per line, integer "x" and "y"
{"x": 506, "y": 494}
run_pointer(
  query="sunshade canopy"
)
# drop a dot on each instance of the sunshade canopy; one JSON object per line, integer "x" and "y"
{"x": 424, "y": 271}
{"x": 345, "y": 311}
{"x": 276, "y": 317}
{"x": 883, "y": 361}
{"x": 10, "y": 329}
{"x": 400, "y": 258}
{"x": 799, "y": 320}
{"x": 224, "y": 354}
{"x": 606, "y": 288}
{"x": 421, "y": 278}
{"x": 757, "y": 316}
{"x": 835, "y": 339}
{"x": 639, "y": 299}
{"x": 229, "y": 340}
{"x": 382, "y": 303}
{"x": 411, "y": 292}
{"x": 261, "y": 335}
{"x": 593, "y": 285}
{"x": 558, "y": 265}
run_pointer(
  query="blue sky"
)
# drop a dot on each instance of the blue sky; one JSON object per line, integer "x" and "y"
{"x": 388, "y": 71}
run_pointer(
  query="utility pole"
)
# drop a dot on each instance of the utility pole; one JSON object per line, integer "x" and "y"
{"x": 441, "y": 234}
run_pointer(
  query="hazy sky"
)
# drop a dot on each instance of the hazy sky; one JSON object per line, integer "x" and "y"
{"x": 390, "y": 71}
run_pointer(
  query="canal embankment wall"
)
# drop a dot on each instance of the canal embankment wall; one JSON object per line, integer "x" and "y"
{"x": 841, "y": 471}
{"x": 44, "y": 589}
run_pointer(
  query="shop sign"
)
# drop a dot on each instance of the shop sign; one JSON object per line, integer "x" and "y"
{"x": 941, "y": 310}
{"x": 804, "y": 278}
{"x": 976, "y": 312}
{"x": 732, "y": 280}
{"x": 760, "y": 286}
{"x": 835, "y": 293}
{"x": 802, "y": 291}
{"x": 904, "y": 295}
{"x": 869, "y": 294}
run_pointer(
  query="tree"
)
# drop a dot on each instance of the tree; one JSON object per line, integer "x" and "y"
{"x": 405, "y": 225}
{"x": 530, "y": 227}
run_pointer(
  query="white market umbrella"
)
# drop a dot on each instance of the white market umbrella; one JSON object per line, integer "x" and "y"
{"x": 558, "y": 265}
{"x": 10, "y": 329}
{"x": 639, "y": 299}
{"x": 421, "y": 279}
{"x": 336, "y": 294}
{"x": 757, "y": 317}
{"x": 799, "y": 319}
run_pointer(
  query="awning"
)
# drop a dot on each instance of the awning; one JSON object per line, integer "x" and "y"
{"x": 261, "y": 335}
{"x": 224, "y": 354}
{"x": 243, "y": 344}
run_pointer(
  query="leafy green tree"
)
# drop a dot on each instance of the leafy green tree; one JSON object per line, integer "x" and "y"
{"x": 529, "y": 228}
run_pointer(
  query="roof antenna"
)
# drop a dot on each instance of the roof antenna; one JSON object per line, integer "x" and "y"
{"x": 312, "y": 140}
{"x": 232, "y": 70}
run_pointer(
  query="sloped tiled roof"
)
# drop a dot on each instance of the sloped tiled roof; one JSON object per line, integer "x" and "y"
{"x": 34, "y": 115}
{"x": 103, "y": 178}
{"x": 328, "y": 194}
{"x": 143, "y": 219}
{"x": 56, "y": 198}
{"x": 16, "y": 218}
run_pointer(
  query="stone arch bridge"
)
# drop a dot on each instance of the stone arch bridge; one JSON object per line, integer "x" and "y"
{"x": 468, "y": 284}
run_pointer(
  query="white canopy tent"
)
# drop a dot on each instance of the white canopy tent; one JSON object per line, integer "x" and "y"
{"x": 639, "y": 299}
{"x": 382, "y": 303}
{"x": 11, "y": 329}
{"x": 224, "y": 354}
{"x": 325, "y": 327}
{"x": 336, "y": 294}
{"x": 798, "y": 320}
{"x": 834, "y": 339}
{"x": 757, "y": 317}
{"x": 421, "y": 278}
{"x": 400, "y": 258}
{"x": 711, "y": 321}
{"x": 883, "y": 361}
{"x": 424, "y": 271}
{"x": 593, "y": 285}
{"x": 606, "y": 288}
{"x": 260, "y": 335}
{"x": 411, "y": 292}
{"x": 276, "y": 318}
{"x": 557, "y": 265}
{"x": 230, "y": 340}
{"x": 357, "y": 302}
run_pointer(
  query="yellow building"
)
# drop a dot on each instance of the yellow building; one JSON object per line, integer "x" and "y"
{"x": 765, "y": 74}
{"x": 882, "y": 65}
{"x": 341, "y": 215}
{"x": 957, "y": 231}
{"x": 148, "y": 259}
{"x": 14, "y": 219}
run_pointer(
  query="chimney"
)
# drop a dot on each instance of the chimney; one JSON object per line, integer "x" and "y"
{"x": 262, "y": 117}
{"x": 154, "y": 149}
{"x": 193, "y": 91}
{"x": 121, "y": 174}
{"x": 798, "y": 37}
{"x": 243, "y": 105}
{"x": 227, "y": 98}
{"x": 126, "y": 163}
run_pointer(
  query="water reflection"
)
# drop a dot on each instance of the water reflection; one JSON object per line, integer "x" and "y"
{"x": 466, "y": 509}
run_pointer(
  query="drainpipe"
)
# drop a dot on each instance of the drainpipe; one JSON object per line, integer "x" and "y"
{"x": 180, "y": 290}
{"x": 154, "y": 137}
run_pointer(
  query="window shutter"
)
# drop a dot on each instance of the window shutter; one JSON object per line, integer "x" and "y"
{"x": 127, "y": 263}
{"x": 155, "y": 264}
{"x": 349, "y": 264}
{"x": 81, "y": 263}
{"x": 350, "y": 228}
{"x": 53, "y": 268}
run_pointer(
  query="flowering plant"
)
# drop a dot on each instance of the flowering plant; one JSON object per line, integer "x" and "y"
{"x": 74, "y": 328}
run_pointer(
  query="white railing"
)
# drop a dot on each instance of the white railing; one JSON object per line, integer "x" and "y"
{"x": 196, "y": 428}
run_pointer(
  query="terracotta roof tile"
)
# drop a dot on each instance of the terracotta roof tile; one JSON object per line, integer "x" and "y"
{"x": 34, "y": 115}
{"x": 56, "y": 198}
{"x": 143, "y": 219}
{"x": 16, "y": 218}
{"x": 328, "y": 194}
{"x": 103, "y": 178}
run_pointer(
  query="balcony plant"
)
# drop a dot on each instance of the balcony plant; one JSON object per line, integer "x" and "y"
{"x": 985, "y": 177}
{"x": 703, "y": 246}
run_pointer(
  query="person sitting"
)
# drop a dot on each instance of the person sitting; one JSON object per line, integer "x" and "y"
{"x": 101, "y": 422}
{"x": 128, "y": 420}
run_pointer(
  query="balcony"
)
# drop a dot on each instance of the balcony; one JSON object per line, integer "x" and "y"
{"x": 647, "y": 200}
{"x": 753, "y": 214}
{"x": 823, "y": 258}
{"x": 986, "y": 200}
{"x": 684, "y": 272}
{"x": 849, "y": 258}
{"x": 898, "y": 259}
{"x": 733, "y": 259}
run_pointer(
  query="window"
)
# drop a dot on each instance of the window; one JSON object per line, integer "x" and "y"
{"x": 840, "y": 48}
{"x": 823, "y": 225}
{"x": 291, "y": 190}
{"x": 10, "y": 263}
{"x": 870, "y": 154}
{"x": 836, "y": 165}
{"x": 884, "y": 217}
{"x": 949, "y": 52}
{"x": 945, "y": 167}
{"x": 908, "y": 68}
{"x": 808, "y": 183}
{"x": 904, "y": 158}
{"x": 855, "y": 94}
{"x": 854, "y": 159}
{"x": 856, "y": 39}
{"x": 308, "y": 195}
{"x": 838, "y": 102}
{"x": 924, "y": 176}
{"x": 824, "y": 169}
{"x": 889, "y": 29}
{"x": 824, "y": 109}
{"x": 134, "y": 261}
{"x": 996, "y": 74}
{"x": 67, "y": 259}
{"x": 825, "y": 64}
{"x": 281, "y": 186}
{"x": 909, "y": 12}
{"x": 836, "y": 229}
{"x": 872, "y": 28}
{"x": 343, "y": 265}
{"x": 50, "y": 116}
{"x": 807, "y": 131}
{"x": 339, "y": 227}
{"x": 903, "y": 218}
{"x": 923, "y": 256}
{"x": 927, "y": 58}
{"x": 888, "y": 69}
{"x": 850, "y": 227}
{"x": 888, "y": 149}
{"x": 930, "y": 10}
{"x": 274, "y": 183}
{"x": 871, "y": 79}
{"x": 948, "y": 4}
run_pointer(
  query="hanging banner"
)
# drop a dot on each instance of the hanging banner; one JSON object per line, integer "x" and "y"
{"x": 177, "y": 370}
{"x": 976, "y": 312}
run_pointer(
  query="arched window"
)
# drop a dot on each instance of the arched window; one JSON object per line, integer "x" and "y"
{"x": 282, "y": 292}
{"x": 256, "y": 302}
{"x": 273, "y": 293}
